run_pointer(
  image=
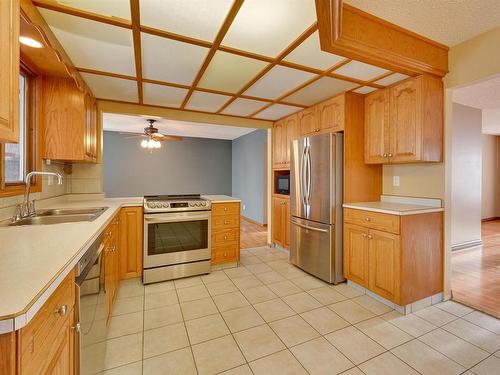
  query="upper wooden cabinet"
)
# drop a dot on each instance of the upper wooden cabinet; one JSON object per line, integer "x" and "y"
{"x": 284, "y": 132}
{"x": 404, "y": 123}
{"x": 278, "y": 144}
{"x": 308, "y": 121}
{"x": 331, "y": 114}
{"x": 9, "y": 71}
{"x": 69, "y": 121}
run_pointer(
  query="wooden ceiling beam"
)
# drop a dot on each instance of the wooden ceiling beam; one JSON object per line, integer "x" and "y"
{"x": 136, "y": 36}
{"x": 306, "y": 34}
{"x": 51, "y": 5}
{"x": 218, "y": 40}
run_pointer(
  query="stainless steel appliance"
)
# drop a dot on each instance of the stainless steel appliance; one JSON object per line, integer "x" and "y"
{"x": 316, "y": 205}
{"x": 176, "y": 237}
{"x": 90, "y": 307}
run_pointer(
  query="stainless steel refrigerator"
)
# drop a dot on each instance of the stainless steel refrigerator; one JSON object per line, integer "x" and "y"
{"x": 316, "y": 205}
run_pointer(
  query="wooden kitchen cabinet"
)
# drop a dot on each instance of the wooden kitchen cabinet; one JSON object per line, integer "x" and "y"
{"x": 331, "y": 114}
{"x": 308, "y": 121}
{"x": 69, "y": 121}
{"x": 9, "y": 71}
{"x": 111, "y": 263}
{"x": 131, "y": 242}
{"x": 284, "y": 132}
{"x": 225, "y": 236}
{"x": 397, "y": 257}
{"x": 281, "y": 221}
{"x": 404, "y": 123}
{"x": 278, "y": 130}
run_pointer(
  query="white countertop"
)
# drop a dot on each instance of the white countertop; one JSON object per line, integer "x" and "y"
{"x": 397, "y": 205}
{"x": 35, "y": 259}
{"x": 221, "y": 198}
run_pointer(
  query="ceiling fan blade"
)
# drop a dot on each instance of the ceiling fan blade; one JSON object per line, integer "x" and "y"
{"x": 132, "y": 134}
{"x": 161, "y": 137}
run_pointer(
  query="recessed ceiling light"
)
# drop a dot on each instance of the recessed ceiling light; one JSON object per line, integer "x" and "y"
{"x": 30, "y": 42}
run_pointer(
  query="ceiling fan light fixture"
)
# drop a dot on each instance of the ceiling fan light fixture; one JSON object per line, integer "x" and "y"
{"x": 144, "y": 143}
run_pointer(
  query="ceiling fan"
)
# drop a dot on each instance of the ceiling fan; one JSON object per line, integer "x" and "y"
{"x": 152, "y": 137}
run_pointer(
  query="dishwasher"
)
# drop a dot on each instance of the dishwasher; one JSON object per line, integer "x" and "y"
{"x": 90, "y": 307}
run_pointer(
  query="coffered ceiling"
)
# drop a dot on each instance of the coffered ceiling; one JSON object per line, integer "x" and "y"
{"x": 248, "y": 58}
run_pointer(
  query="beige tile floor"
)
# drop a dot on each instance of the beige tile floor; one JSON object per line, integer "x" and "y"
{"x": 269, "y": 317}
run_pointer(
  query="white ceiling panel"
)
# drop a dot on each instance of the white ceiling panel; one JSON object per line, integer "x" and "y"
{"x": 228, "y": 72}
{"x": 111, "y": 88}
{"x": 110, "y": 8}
{"x": 364, "y": 90}
{"x": 206, "y": 101}
{"x": 199, "y": 19}
{"x": 165, "y": 96}
{"x": 243, "y": 107}
{"x": 278, "y": 81}
{"x": 320, "y": 90}
{"x": 309, "y": 54}
{"x": 359, "y": 70}
{"x": 393, "y": 78}
{"x": 93, "y": 45}
{"x": 168, "y": 60}
{"x": 136, "y": 124}
{"x": 277, "y": 111}
{"x": 268, "y": 27}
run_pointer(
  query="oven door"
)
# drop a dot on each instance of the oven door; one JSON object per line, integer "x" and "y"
{"x": 176, "y": 237}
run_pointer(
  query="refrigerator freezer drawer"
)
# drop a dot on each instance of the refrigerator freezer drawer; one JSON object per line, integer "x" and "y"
{"x": 312, "y": 248}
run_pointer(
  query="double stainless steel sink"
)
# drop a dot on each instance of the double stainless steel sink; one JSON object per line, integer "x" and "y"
{"x": 58, "y": 216}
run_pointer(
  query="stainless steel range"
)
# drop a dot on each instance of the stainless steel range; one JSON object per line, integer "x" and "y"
{"x": 176, "y": 237}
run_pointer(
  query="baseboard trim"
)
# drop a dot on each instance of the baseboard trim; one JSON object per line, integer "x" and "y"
{"x": 466, "y": 245}
{"x": 490, "y": 219}
{"x": 253, "y": 221}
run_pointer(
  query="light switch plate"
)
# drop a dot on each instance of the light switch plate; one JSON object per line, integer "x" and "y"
{"x": 244, "y": 207}
{"x": 395, "y": 180}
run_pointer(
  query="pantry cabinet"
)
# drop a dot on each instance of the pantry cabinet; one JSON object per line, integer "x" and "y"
{"x": 225, "y": 232}
{"x": 9, "y": 71}
{"x": 131, "y": 242}
{"x": 281, "y": 221}
{"x": 69, "y": 121}
{"x": 284, "y": 132}
{"x": 404, "y": 123}
{"x": 397, "y": 257}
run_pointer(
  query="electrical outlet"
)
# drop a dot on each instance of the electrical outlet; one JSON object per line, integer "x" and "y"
{"x": 395, "y": 180}
{"x": 244, "y": 207}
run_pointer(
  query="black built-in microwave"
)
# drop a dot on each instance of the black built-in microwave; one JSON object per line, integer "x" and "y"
{"x": 282, "y": 184}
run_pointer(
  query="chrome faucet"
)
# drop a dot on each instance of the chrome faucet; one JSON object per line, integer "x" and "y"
{"x": 27, "y": 208}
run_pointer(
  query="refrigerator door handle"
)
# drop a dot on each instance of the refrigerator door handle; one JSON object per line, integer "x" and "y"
{"x": 310, "y": 228}
{"x": 302, "y": 176}
{"x": 309, "y": 177}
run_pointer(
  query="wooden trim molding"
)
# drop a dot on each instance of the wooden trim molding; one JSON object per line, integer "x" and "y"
{"x": 136, "y": 35}
{"x": 253, "y": 221}
{"x": 490, "y": 219}
{"x": 466, "y": 245}
{"x": 347, "y": 31}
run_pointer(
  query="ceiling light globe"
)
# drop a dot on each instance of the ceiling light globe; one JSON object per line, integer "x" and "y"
{"x": 144, "y": 143}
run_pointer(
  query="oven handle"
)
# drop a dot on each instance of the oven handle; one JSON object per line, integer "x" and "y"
{"x": 184, "y": 216}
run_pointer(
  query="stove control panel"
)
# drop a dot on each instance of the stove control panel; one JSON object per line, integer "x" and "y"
{"x": 175, "y": 206}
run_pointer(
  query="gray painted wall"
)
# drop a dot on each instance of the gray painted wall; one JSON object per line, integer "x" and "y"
{"x": 194, "y": 165}
{"x": 249, "y": 174}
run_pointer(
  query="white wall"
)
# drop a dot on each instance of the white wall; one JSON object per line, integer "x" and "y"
{"x": 490, "y": 177}
{"x": 491, "y": 121}
{"x": 466, "y": 175}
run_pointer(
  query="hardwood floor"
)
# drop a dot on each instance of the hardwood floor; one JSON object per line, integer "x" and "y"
{"x": 476, "y": 273}
{"x": 252, "y": 235}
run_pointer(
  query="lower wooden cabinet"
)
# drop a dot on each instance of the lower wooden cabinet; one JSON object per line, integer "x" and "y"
{"x": 404, "y": 266}
{"x": 281, "y": 221}
{"x": 225, "y": 239}
{"x": 111, "y": 262}
{"x": 131, "y": 242}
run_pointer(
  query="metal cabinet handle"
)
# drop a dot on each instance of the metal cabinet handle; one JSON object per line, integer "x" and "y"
{"x": 226, "y": 221}
{"x": 225, "y": 254}
{"x": 77, "y": 327}
{"x": 225, "y": 237}
{"x": 370, "y": 236}
{"x": 385, "y": 155}
{"x": 367, "y": 219}
{"x": 364, "y": 235}
{"x": 62, "y": 311}
{"x": 389, "y": 155}
{"x": 225, "y": 208}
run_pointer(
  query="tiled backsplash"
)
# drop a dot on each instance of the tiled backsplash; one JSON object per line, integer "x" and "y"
{"x": 84, "y": 179}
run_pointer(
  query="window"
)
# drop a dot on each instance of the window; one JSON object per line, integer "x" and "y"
{"x": 15, "y": 153}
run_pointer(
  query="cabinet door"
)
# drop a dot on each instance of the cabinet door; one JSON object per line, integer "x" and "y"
{"x": 131, "y": 246}
{"x": 377, "y": 127}
{"x": 308, "y": 121}
{"x": 286, "y": 223}
{"x": 406, "y": 122}
{"x": 290, "y": 128}
{"x": 277, "y": 144}
{"x": 356, "y": 254}
{"x": 9, "y": 71}
{"x": 331, "y": 114}
{"x": 278, "y": 229}
{"x": 109, "y": 283}
{"x": 62, "y": 361}
{"x": 384, "y": 264}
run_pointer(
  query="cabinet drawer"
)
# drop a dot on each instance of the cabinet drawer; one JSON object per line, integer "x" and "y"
{"x": 374, "y": 220}
{"x": 223, "y": 237}
{"x": 38, "y": 336}
{"x": 225, "y": 222}
{"x": 225, "y": 253}
{"x": 225, "y": 208}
